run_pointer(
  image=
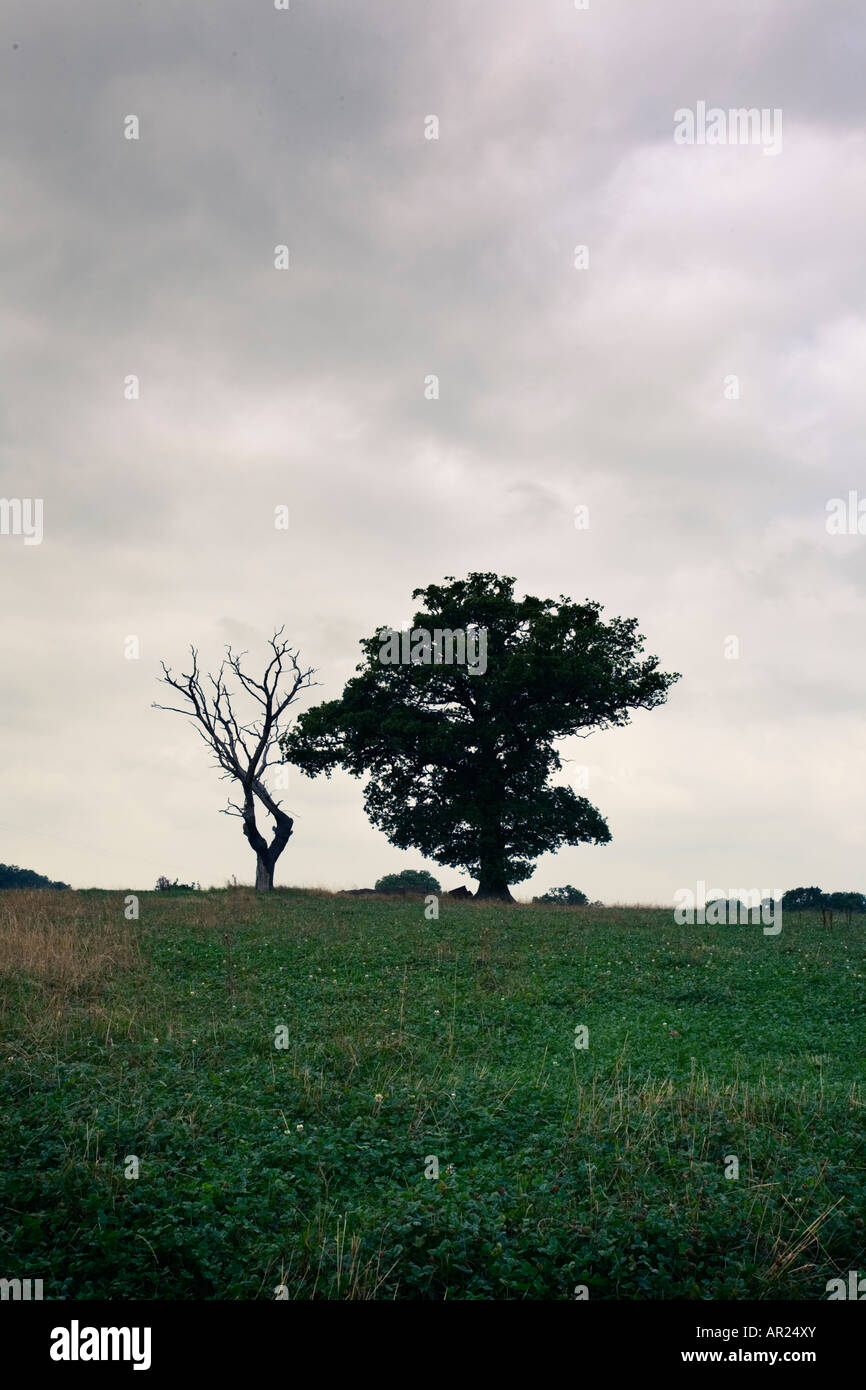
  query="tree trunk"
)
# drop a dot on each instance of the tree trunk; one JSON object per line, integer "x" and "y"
{"x": 493, "y": 883}
{"x": 266, "y": 854}
{"x": 492, "y": 874}
{"x": 264, "y": 874}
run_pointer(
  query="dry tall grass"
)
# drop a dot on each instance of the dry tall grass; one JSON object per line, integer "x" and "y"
{"x": 61, "y": 940}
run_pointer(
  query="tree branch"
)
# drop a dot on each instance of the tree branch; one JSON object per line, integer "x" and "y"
{"x": 243, "y": 749}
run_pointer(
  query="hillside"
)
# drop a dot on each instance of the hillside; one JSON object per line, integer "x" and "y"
{"x": 303, "y": 1166}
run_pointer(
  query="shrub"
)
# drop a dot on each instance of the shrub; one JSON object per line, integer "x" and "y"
{"x": 565, "y": 897}
{"x": 409, "y": 881}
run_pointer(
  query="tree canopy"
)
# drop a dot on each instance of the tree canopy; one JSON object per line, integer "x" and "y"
{"x": 13, "y": 877}
{"x": 816, "y": 900}
{"x": 802, "y": 899}
{"x": 459, "y": 759}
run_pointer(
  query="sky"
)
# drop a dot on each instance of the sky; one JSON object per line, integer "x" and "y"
{"x": 694, "y": 378}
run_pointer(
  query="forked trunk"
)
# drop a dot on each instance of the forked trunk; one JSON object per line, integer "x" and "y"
{"x": 266, "y": 854}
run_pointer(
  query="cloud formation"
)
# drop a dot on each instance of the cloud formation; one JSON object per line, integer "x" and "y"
{"x": 608, "y": 386}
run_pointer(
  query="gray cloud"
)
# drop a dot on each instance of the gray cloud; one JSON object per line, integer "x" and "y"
{"x": 558, "y": 387}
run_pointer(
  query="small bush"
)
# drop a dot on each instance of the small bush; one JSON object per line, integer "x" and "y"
{"x": 409, "y": 881}
{"x": 564, "y": 897}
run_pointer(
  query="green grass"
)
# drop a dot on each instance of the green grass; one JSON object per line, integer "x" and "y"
{"x": 602, "y": 1167}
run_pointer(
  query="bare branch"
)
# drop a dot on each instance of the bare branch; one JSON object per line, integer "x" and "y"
{"x": 243, "y": 748}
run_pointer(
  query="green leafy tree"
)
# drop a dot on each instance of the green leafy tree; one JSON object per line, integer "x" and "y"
{"x": 803, "y": 900}
{"x": 564, "y": 897}
{"x": 13, "y": 877}
{"x": 409, "y": 881}
{"x": 459, "y": 761}
{"x": 847, "y": 903}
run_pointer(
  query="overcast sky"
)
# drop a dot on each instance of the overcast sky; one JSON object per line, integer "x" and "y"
{"x": 607, "y": 387}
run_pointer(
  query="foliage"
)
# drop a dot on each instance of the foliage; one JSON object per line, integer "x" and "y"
{"x": 459, "y": 763}
{"x": 565, "y": 897}
{"x": 847, "y": 902}
{"x": 816, "y": 900}
{"x": 13, "y": 877}
{"x": 408, "y": 881}
{"x": 802, "y": 899}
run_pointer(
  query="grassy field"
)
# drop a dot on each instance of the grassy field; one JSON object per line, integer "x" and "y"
{"x": 304, "y": 1166}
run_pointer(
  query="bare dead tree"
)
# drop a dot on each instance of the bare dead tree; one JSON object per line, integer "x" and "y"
{"x": 243, "y": 750}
